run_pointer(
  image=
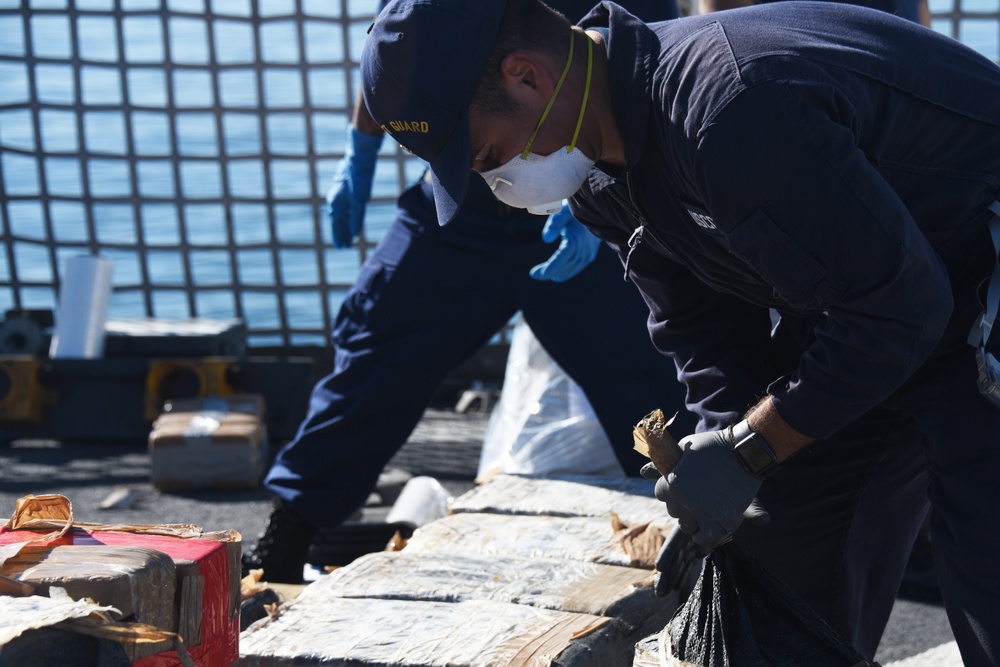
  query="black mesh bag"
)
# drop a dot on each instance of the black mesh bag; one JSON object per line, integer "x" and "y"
{"x": 740, "y": 615}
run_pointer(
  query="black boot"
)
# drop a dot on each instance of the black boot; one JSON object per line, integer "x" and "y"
{"x": 282, "y": 548}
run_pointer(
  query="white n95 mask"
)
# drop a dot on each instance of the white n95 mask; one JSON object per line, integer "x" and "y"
{"x": 540, "y": 183}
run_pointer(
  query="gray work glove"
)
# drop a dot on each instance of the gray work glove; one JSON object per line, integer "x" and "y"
{"x": 709, "y": 491}
{"x": 678, "y": 556}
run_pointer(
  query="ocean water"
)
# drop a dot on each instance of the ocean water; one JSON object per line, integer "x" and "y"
{"x": 192, "y": 143}
{"x": 194, "y": 149}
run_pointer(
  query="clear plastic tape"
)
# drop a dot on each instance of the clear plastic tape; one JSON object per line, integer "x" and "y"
{"x": 586, "y": 539}
{"x": 630, "y": 498}
{"x": 406, "y": 633}
{"x": 203, "y": 425}
{"x": 547, "y": 583}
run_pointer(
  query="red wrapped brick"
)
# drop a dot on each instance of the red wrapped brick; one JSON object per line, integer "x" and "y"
{"x": 203, "y": 600}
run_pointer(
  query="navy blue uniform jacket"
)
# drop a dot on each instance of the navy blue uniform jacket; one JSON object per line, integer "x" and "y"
{"x": 828, "y": 161}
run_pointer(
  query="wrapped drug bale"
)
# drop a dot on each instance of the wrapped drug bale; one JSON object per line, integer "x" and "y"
{"x": 339, "y": 632}
{"x": 208, "y": 449}
{"x": 137, "y": 581}
{"x": 518, "y": 587}
{"x": 740, "y": 615}
{"x": 173, "y": 580}
{"x": 612, "y": 520}
{"x": 583, "y": 538}
{"x": 630, "y": 498}
{"x": 623, "y": 593}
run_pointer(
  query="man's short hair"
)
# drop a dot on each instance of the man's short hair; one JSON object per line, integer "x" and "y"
{"x": 527, "y": 25}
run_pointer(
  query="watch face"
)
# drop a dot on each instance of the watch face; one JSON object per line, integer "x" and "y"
{"x": 755, "y": 454}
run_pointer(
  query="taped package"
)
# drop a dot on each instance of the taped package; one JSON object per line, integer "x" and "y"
{"x": 510, "y": 585}
{"x": 339, "y": 632}
{"x": 212, "y": 443}
{"x": 630, "y": 498}
{"x": 137, "y": 581}
{"x": 173, "y": 583}
{"x": 623, "y": 593}
{"x": 585, "y": 538}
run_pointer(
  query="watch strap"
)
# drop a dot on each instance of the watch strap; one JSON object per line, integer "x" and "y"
{"x": 753, "y": 451}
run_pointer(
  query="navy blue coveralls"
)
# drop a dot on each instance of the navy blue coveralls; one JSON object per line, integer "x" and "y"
{"x": 426, "y": 300}
{"x": 834, "y": 164}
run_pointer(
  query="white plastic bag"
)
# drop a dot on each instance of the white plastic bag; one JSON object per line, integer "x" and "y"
{"x": 543, "y": 423}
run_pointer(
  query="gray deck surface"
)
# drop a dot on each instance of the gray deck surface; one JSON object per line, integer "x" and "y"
{"x": 445, "y": 445}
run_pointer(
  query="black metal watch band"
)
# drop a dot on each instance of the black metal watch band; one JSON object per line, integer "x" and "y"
{"x": 753, "y": 451}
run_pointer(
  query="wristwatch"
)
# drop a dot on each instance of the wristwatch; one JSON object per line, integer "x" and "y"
{"x": 753, "y": 451}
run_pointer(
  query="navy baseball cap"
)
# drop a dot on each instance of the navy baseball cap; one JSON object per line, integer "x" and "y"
{"x": 420, "y": 67}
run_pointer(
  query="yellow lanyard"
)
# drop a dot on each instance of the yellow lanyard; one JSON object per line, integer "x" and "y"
{"x": 583, "y": 105}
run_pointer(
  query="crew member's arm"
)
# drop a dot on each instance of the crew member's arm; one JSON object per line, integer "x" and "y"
{"x": 799, "y": 202}
{"x": 720, "y": 344}
{"x": 351, "y": 189}
{"x": 783, "y": 440}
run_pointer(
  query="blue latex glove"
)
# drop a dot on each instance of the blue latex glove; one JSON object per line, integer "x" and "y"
{"x": 352, "y": 186}
{"x": 709, "y": 491}
{"x": 576, "y": 250}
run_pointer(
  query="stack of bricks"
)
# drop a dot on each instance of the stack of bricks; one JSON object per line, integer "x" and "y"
{"x": 523, "y": 571}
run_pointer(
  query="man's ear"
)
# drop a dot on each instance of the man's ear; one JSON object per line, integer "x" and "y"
{"x": 525, "y": 77}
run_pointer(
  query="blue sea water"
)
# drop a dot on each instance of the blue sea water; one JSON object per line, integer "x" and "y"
{"x": 191, "y": 152}
{"x": 241, "y": 219}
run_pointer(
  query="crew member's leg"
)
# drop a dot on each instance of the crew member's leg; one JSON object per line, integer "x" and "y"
{"x": 845, "y": 511}
{"x": 962, "y": 438}
{"x": 426, "y": 300}
{"x": 964, "y": 466}
{"x": 844, "y": 515}
{"x": 419, "y": 308}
